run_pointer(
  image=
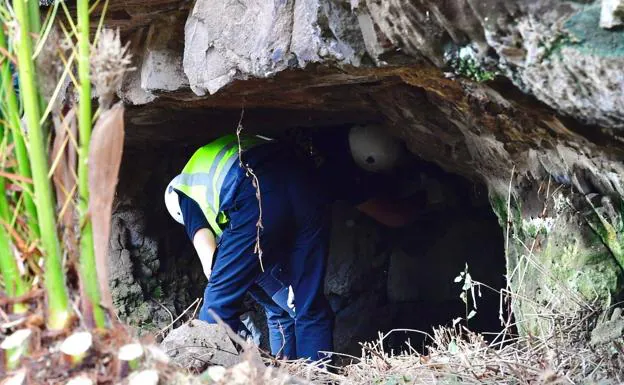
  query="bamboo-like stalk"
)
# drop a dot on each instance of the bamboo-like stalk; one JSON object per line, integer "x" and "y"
{"x": 34, "y": 16}
{"x": 5, "y": 211}
{"x": 12, "y": 117}
{"x": 13, "y": 283}
{"x": 34, "y": 26}
{"x": 89, "y": 277}
{"x": 4, "y": 204}
{"x": 54, "y": 276}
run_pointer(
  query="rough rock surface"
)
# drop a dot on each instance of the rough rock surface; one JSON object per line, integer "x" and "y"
{"x": 133, "y": 253}
{"x": 197, "y": 344}
{"x": 356, "y": 255}
{"x": 161, "y": 69}
{"x": 554, "y": 50}
{"x": 260, "y": 38}
{"x": 149, "y": 287}
{"x": 609, "y": 331}
{"x": 562, "y": 255}
{"x": 557, "y": 52}
{"x": 525, "y": 96}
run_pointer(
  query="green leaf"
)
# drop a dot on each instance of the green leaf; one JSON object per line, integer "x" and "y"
{"x": 452, "y": 347}
{"x": 472, "y": 314}
{"x": 459, "y": 277}
{"x": 463, "y": 297}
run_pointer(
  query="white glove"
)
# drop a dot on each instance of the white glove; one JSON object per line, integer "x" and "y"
{"x": 291, "y": 298}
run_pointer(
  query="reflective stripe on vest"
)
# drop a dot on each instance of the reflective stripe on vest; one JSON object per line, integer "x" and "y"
{"x": 203, "y": 176}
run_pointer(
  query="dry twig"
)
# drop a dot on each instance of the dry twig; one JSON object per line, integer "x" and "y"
{"x": 256, "y": 183}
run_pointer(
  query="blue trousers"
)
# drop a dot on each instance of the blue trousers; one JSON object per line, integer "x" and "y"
{"x": 294, "y": 235}
{"x": 272, "y": 293}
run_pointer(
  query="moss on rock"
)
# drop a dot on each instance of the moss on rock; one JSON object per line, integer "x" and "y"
{"x": 563, "y": 266}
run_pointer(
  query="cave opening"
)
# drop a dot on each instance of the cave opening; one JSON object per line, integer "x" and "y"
{"x": 378, "y": 278}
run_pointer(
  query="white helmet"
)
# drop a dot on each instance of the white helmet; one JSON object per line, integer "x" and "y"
{"x": 173, "y": 204}
{"x": 373, "y": 149}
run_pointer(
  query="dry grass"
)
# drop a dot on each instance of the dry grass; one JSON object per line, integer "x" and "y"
{"x": 564, "y": 354}
{"x": 458, "y": 356}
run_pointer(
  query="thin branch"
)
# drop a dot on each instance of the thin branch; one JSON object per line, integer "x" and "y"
{"x": 256, "y": 183}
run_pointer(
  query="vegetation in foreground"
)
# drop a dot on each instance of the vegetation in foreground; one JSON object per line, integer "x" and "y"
{"x": 59, "y": 156}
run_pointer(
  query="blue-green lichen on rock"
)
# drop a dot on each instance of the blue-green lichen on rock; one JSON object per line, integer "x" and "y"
{"x": 579, "y": 73}
{"x": 588, "y": 37}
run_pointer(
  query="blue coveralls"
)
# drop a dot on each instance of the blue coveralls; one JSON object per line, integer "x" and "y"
{"x": 294, "y": 236}
{"x": 271, "y": 292}
{"x": 341, "y": 179}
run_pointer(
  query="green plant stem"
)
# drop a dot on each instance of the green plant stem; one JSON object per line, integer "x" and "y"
{"x": 87, "y": 251}
{"x": 34, "y": 26}
{"x": 12, "y": 112}
{"x": 5, "y": 211}
{"x": 13, "y": 284}
{"x": 54, "y": 276}
{"x": 4, "y": 204}
{"x": 34, "y": 16}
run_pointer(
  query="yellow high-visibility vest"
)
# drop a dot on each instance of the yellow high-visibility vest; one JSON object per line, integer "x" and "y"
{"x": 204, "y": 174}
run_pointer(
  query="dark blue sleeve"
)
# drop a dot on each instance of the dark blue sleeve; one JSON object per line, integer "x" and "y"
{"x": 194, "y": 218}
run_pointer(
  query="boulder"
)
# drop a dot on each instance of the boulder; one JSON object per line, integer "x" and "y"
{"x": 564, "y": 253}
{"x": 260, "y": 38}
{"x": 198, "y": 344}
{"x": 161, "y": 69}
{"x": 609, "y": 331}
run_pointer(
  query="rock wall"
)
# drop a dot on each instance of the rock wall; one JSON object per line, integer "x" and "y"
{"x": 556, "y": 51}
{"x": 260, "y": 38}
{"x": 564, "y": 251}
{"x": 149, "y": 284}
{"x": 524, "y": 96}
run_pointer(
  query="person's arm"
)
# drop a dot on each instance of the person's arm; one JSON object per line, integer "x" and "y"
{"x": 205, "y": 245}
{"x": 199, "y": 232}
